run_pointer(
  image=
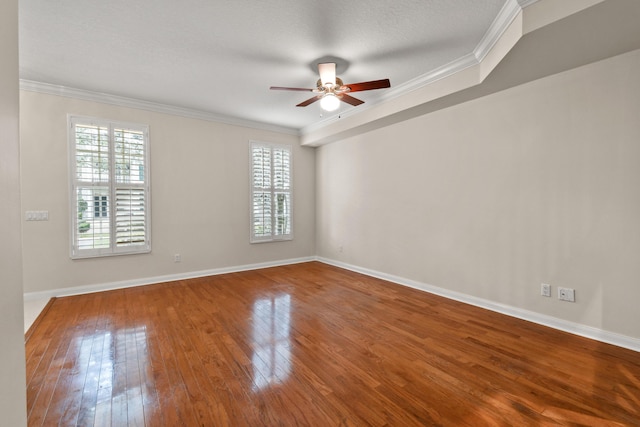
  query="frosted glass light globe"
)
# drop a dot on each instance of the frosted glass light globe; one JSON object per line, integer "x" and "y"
{"x": 329, "y": 102}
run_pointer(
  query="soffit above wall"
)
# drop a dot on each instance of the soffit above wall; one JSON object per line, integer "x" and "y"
{"x": 598, "y": 32}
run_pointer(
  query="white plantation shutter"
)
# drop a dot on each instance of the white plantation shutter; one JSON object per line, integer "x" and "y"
{"x": 130, "y": 221}
{"x": 110, "y": 180}
{"x": 130, "y": 195}
{"x": 271, "y": 190}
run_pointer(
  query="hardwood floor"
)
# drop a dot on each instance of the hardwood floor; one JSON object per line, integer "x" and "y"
{"x": 313, "y": 345}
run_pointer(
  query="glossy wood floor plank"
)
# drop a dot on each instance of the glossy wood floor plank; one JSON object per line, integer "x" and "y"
{"x": 313, "y": 345}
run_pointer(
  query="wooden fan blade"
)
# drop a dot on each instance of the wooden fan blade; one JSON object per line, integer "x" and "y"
{"x": 350, "y": 99}
{"x": 309, "y": 101}
{"x": 301, "y": 89}
{"x": 375, "y": 84}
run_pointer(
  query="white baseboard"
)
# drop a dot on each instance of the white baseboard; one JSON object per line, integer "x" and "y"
{"x": 541, "y": 319}
{"x": 78, "y": 290}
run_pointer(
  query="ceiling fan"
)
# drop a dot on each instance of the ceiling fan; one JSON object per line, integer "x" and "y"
{"x": 331, "y": 90}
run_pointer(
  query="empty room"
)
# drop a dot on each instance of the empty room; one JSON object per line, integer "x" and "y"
{"x": 302, "y": 213}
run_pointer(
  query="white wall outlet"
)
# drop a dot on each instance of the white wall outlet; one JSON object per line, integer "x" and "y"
{"x": 177, "y": 258}
{"x": 545, "y": 290}
{"x": 566, "y": 294}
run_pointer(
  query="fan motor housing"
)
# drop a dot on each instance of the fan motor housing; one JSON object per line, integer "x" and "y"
{"x": 339, "y": 86}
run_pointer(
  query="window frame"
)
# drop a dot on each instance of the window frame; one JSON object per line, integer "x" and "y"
{"x": 112, "y": 186}
{"x": 272, "y": 237}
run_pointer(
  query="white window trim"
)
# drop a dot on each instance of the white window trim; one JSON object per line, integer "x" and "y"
{"x": 271, "y": 237}
{"x": 113, "y": 250}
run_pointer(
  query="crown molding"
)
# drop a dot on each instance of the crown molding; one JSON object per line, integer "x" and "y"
{"x": 439, "y": 73}
{"x": 507, "y": 14}
{"x": 121, "y": 101}
{"x": 500, "y": 24}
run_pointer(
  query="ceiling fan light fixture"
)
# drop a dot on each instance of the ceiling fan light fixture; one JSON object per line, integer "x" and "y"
{"x": 331, "y": 91}
{"x": 329, "y": 102}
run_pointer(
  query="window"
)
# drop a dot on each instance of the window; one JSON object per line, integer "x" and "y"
{"x": 271, "y": 185}
{"x": 110, "y": 187}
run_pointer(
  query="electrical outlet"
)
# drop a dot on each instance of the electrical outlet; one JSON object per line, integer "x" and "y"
{"x": 566, "y": 294}
{"x": 177, "y": 258}
{"x": 545, "y": 290}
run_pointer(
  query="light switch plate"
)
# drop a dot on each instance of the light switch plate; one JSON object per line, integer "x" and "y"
{"x": 36, "y": 216}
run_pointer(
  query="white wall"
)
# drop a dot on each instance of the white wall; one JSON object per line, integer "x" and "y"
{"x": 199, "y": 194}
{"x": 491, "y": 198}
{"x": 12, "y": 362}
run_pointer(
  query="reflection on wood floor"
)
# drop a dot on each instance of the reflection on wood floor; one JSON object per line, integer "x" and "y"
{"x": 313, "y": 345}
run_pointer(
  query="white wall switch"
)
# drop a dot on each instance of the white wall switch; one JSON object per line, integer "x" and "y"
{"x": 545, "y": 290}
{"x": 36, "y": 216}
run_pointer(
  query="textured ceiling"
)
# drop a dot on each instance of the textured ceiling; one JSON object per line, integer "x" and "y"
{"x": 221, "y": 57}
